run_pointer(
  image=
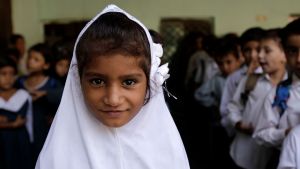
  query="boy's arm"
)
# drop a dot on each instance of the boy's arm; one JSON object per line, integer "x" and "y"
{"x": 267, "y": 132}
{"x": 228, "y": 92}
{"x": 235, "y": 106}
{"x": 288, "y": 156}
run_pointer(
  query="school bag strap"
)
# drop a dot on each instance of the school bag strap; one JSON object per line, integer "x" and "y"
{"x": 249, "y": 86}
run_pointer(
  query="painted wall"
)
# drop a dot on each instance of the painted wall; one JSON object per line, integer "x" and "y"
{"x": 230, "y": 15}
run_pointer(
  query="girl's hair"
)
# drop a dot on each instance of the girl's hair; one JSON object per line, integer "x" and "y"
{"x": 44, "y": 50}
{"x": 7, "y": 61}
{"x": 114, "y": 33}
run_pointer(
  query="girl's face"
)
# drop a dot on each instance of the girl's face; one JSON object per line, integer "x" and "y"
{"x": 114, "y": 88}
{"x": 271, "y": 56}
{"x": 62, "y": 67}
{"x": 292, "y": 53}
{"x": 36, "y": 62}
{"x": 7, "y": 77}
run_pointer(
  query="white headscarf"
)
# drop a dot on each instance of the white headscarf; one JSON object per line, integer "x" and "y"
{"x": 77, "y": 140}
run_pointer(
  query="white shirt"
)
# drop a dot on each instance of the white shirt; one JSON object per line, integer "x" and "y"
{"x": 244, "y": 150}
{"x": 271, "y": 127}
{"x": 210, "y": 92}
{"x": 77, "y": 140}
{"x": 201, "y": 68}
{"x": 231, "y": 84}
{"x": 290, "y": 153}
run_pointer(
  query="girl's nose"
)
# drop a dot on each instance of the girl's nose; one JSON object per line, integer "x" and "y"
{"x": 113, "y": 96}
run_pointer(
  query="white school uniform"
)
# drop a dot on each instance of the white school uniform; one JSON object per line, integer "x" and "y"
{"x": 209, "y": 93}
{"x": 244, "y": 150}
{"x": 230, "y": 87}
{"x": 201, "y": 68}
{"x": 77, "y": 140}
{"x": 290, "y": 153}
{"x": 271, "y": 127}
{"x": 231, "y": 84}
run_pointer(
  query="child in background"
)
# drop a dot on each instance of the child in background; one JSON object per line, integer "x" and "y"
{"x": 60, "y": 67}
{"x": 17, "y": 41}
{"x": 228, "y": 60}
{"x": 209, "y": 95}
{"x": 249, "y": 42}
{"x": 15, "y": 119}
{"x": 244, "y": 111}
{"x": 44, "y": 90}
{"x": 113, "y": 114}
{"x": 281, "y": 114}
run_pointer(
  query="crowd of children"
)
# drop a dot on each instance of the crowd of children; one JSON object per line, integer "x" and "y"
{"x": 244, "y": 112}
{"x": 234, "y": 100}
{"x": 30, "y": 92}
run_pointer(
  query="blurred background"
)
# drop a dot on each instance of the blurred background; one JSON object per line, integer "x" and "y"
{"x": 50, "y": 21}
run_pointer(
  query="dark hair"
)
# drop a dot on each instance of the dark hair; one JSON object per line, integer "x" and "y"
{"x": 112, "y": 33}
{"x": 5, "y": 60}
{"x": 273, "y": 34}
{"x": 251, "y": 34}
{"x": 61, "y": 53}
{"x": 293, "y": 28}
{"x": 14, "y": 38}
{"x": 13, "y": 53}
{"x": 44, "y": 50}
{"x": 227, "y": 44}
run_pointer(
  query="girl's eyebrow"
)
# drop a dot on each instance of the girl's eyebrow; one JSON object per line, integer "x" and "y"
{"x": 133, "y": 75}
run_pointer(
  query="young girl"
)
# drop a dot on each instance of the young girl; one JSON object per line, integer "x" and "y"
{"x": 244, "y": 111}
{"x": 113, "y": 113}
{"x": 44, "y": 90}
{"x": 60, "y": 67}
{"x": 15, "y": 120}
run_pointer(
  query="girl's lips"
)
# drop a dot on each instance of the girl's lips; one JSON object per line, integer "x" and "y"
{"x": 113, "y": 113}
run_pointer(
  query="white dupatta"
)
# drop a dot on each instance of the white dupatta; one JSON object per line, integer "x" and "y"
{"x": 77, "y": 140}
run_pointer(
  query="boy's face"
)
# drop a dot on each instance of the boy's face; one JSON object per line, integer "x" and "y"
{"x": 62, "y": 67}
{"x": 250, "y": 52}
{"x": 114, "y": 88}
{"x": 292, "y": 53}
{"x": 271, "y": 56}
{"x": 36, "y": 62}
{"x": 228, "y": 64}
{"x": 7, "y": 77}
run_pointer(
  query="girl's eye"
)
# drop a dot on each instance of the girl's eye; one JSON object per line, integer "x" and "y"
{"x": 129, "y": 82}
{"x": 97, "y": 82}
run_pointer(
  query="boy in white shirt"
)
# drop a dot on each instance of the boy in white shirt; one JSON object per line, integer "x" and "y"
{"x": 279, "y": 119}
{"x": 249, "y": 43}
{"x": 244, "y": 109}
